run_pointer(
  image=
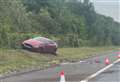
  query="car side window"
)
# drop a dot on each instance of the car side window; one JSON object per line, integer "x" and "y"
{"x": 49, "y": 42}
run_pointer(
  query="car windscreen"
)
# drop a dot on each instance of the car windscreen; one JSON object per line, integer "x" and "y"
{"x": 42, "y": 39}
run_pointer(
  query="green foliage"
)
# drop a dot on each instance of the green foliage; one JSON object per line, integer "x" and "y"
{"x": 70, "y": 22}
{"x": 14, "y": 40}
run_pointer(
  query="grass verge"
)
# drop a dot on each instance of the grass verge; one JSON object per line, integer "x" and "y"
{"x": 15, "y": 60}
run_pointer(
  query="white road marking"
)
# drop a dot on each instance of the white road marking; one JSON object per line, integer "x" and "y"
{"x": 100, "y": 71}
{"x": 67, "y": 63}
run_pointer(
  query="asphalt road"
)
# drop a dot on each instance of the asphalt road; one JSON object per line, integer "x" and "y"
{"x": 74, "y": 72}
{"x": 110, "y": 75}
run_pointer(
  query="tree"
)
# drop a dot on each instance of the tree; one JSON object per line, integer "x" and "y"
{"x": 17, "y": 14}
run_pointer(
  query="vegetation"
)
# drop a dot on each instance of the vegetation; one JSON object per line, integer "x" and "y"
{"x": 71, "y": 22}
{"x": 17, "y": 60}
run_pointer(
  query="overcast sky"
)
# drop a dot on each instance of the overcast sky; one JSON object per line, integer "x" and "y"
{"x": 108, "y": 7}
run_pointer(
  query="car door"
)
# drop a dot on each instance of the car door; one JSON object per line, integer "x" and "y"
{"x": 49, "y": 46}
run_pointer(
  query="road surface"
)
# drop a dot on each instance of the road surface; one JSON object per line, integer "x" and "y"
{"x": 74, "y": 72}
{"x": 110, "y": 75}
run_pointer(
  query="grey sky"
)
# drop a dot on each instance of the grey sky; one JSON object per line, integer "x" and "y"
{"x": 108, "y": 7}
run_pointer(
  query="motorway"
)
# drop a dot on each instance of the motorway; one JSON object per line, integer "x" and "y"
{"x": 110, "y": 75}
{"x": 74, "y": 72}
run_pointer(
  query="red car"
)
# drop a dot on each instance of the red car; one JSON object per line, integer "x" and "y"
{"x": 40, "y": 44}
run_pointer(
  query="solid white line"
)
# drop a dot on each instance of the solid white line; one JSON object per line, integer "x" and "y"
{"x": 100, "y": 71}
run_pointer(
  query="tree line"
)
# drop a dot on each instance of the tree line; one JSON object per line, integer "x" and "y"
{"x": 73, "y": 23}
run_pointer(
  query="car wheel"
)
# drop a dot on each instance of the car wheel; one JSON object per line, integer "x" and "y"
{"x": 54, "y": 51}
{"x": 41, "y": 50}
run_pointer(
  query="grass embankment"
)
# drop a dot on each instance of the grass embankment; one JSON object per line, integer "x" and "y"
{"x": 15, "y": 60}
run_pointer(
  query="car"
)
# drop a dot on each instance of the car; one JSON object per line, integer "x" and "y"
{"x": 40, "y": 44}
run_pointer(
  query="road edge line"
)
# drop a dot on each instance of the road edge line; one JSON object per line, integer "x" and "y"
{"x": 100, "y": 71}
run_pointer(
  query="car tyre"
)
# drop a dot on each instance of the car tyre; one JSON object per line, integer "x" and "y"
{"x": 41, "y": 50}
{"x": 54, "y": 52}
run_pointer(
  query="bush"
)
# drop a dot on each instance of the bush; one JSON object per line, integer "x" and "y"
{"x": 15, "y": 39}
{"x": 71, "y": 41}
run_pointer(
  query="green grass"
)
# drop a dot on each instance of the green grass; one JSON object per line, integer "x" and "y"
{"x": 15, "y": 60}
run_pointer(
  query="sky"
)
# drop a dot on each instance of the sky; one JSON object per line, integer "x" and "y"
{"x": 108, "y": 7}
